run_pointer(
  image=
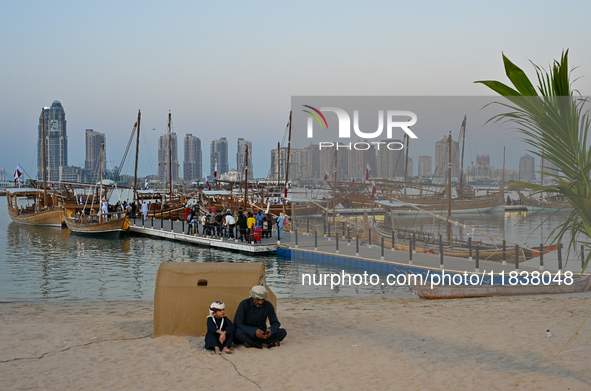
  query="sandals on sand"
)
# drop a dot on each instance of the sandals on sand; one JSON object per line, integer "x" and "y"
{"x": 273, "y": 344}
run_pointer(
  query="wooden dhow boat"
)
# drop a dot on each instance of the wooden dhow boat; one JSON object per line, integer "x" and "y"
{"x": 549, "y": 203}
{"x": 36, "y": 210}
{"x": 579, "y": 284}
{"x": 98, "y": 224}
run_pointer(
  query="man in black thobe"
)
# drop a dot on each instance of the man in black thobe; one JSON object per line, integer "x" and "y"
{"x": 251, "y": 321}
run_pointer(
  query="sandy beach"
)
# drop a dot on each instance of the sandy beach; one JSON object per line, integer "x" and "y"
{"x": 496, "y": 343}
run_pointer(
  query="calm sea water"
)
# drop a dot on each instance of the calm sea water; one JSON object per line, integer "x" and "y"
{"x": 50, "y": 264}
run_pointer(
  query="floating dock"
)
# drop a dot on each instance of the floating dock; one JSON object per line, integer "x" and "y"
{"x": 177, "y": 231}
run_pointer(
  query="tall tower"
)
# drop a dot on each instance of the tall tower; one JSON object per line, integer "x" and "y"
{"x": 219, "y": 154}
{"x": 442, "y": 159}
{"x": 193, "y": 158}
{"x": 56, "y": 141}
{"x": 240, "y": 156}
{"x": 163, "y": 170}
{"x": 527, "y": 168}
{"x": 425, "y": 166}
{"x": 94, "y": 142}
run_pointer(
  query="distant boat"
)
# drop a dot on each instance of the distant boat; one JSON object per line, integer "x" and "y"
{"x": 549, "y": 203}
{"x": 464, "y": 291}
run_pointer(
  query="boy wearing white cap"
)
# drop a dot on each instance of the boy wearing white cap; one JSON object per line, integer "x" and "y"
{"x": 220, "y": 329}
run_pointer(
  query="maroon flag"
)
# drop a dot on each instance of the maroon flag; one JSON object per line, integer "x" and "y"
{"x": 18, "y": 173}
{"x": 286, "y": 187}
{"x": 373, "y": 190}
{"x": 206, "y": 181}
{"x": 367, "y": 170}
{"x": 215, "y": 171}
{"x": 326, "y": 175}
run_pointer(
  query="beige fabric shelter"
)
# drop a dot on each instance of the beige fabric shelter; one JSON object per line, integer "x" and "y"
{"x": 184, "y": 291}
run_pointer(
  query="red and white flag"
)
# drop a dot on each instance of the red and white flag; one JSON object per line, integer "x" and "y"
{"x": 207, "y": 181}
{"x": 367, "y": 170}
{"x": 215, "y": 171}
{"x": 146, "y": 184}
{"x": 18, "y": 173}
{"x": 286, "y": 187}
{"x": 326, "y": 175}
{"x": 373, "y": 190}
{"x": 353, "y": 181}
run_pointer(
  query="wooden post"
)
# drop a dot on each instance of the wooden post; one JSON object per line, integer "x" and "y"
{"x": 477, "y": 268}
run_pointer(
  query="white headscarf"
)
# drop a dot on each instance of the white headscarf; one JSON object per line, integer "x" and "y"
{"x": 258, "y": 292}
{"x": 216, "y": 305}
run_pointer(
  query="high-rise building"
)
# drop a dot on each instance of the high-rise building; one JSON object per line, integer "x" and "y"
{"x": 358, "y": 161}
{"x": 241, "y": 155}
{"x": 390, "y": 163}
{"x": 163, "y": 158}
{"x": 218, "y": 153}
{"x": 311, "y": 162}
{"x": 409, "y": 169}
{"x": 278, "y": 164}
{"x": 192, "y": 158}
{"x": 56, "y": 141}
{"x": 527, "y": 170}
{"x": 442, "y": 158}
{"x": 94, "y": 142}
{"x": 483, "y": 160}
{"x": 425, "y": 166}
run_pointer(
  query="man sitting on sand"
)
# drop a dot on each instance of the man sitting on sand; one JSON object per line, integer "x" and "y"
{"x": 251, "y": 321}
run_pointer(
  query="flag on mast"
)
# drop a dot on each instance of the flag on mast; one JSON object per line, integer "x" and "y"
{"x": 207, "y": 181}
{"x": 326, "y": 175}
{"x": 18, "y": 173}
{"x": 367, "y": 170}
{"x": 215, "y": 170}
{"x": 286, "y": 187}
{"x": 146, "y": 184}
{"x": 373, "y": 190}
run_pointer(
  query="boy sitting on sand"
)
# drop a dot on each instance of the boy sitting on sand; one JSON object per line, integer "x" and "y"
{"x": 220, "y": 330}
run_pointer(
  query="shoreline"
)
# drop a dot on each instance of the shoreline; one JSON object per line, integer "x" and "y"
{"x": 332, "y": 343}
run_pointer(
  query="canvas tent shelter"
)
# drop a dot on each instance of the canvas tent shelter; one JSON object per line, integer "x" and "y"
{"x": 185, "y": 290}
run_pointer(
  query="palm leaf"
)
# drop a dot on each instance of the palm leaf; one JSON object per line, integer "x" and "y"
{"x": 555, "y": 125}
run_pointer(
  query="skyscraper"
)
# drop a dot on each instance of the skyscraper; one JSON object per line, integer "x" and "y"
{"x": 94, "y": 142}
{"x": 219, "y": 154}
{"x": 163, "y": 169}
{"x": 442, "y": 159}
{"x": 240, "y": 157}
{"x": 390, "y": 163}
{"x": 425, "y": 166}
{"x": 527, "y": 168}
{"x": 193, "y": 159}
{"x": 56, "y": 141}
{"x": 358, "y": 161}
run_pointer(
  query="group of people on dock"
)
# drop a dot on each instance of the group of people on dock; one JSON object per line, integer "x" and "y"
{"x": 249, "y": 327}
{"x": 244, "y": 225}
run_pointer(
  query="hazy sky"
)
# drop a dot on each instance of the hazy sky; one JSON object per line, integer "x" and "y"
{"x": 229, "y": 69}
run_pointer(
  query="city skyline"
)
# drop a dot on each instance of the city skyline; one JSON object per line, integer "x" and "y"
{"x": 238, "y": 82}
{"x": 306, "y": 163}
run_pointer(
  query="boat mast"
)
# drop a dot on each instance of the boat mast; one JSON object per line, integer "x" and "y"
{"x": 288, "y": 151}
{"x": 463, "y": 136}
{"x": 169, "y": 155}
{"x": 246, "y": 176}
{"x": 449, "y": 165}
{"x": 278, "y": 163}
{"x": 334, "y": 194}
{"x": 137, "y": 152}
{"x": 406, "y": 162}
{"x": 44, "y": 160}
{"x": 503, "y": 191}
{"x": 101, "y": 180}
